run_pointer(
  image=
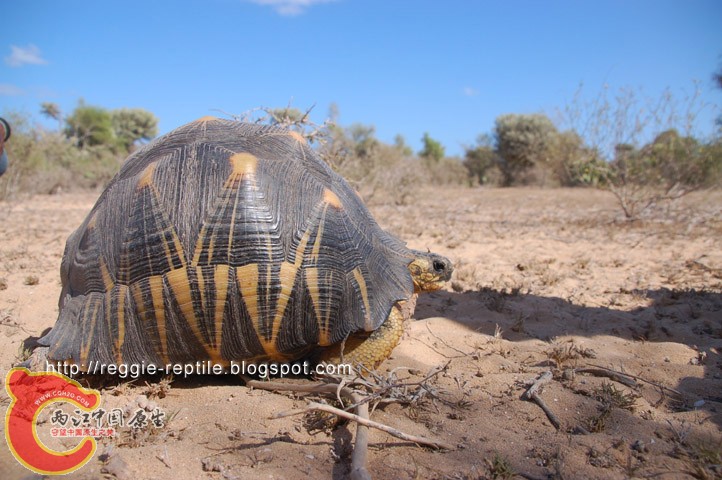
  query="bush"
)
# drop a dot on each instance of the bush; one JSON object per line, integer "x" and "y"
{"x": 641, "y": 177}
{"x": 47, "y": 162}
{"x": 382, "y": 171}
{"x": 663, "y": 170}
{"x": 432, "y": 151}
{"x": 482, "y": 162}
{"x": 522, "y": 142}
{"x": 448, "y": 171}
{"x": 573, "y": 164}
{"x": 375, "y": 169}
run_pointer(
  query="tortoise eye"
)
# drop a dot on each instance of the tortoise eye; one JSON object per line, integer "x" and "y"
{"x": 439, "y": 266}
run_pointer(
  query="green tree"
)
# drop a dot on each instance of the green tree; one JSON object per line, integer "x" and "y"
{"x": 432, "y": 150}
{"x": 131, "y": 125}
{"x": 89, "y": 126}
{"x": 677, "y": 161}
{"x": 522, "y": 141}
{"x": 481, "y": 159}
{"x": 47, "y": 162}
{"x": 712, "y": 155}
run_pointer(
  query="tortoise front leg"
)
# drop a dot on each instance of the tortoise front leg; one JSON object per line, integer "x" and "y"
{"x": 369, "y": 349}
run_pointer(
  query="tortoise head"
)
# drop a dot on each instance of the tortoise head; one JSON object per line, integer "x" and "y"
{"x": 429, "y": 271}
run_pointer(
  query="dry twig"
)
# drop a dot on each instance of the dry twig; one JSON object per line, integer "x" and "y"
{"x": 619, "y": 377}
{"x": 636, "y": 377}
{"x": 533, "y": 394}
{"x": 367, "y": 422}
{"x": 358, "y": 458}
{"x": 446, "y": 344}
{"x": 360, "y": 403}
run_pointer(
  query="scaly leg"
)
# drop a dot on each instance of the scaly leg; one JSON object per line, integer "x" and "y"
{"x": 371, "y": 349}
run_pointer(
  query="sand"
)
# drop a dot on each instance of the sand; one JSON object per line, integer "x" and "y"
{"x": 545, "y": 281}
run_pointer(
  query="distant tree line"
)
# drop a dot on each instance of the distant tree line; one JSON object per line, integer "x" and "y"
{"x": 600, "y": 148}
{"x": 642, "y": 150}
{"x": 530, "y": 150}
{"x": 85, "y": 151}
{"x": 615, "y": 143}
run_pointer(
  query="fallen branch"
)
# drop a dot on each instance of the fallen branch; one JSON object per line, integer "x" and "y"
{"x": 533, "y": 394}
{"x": 360, "y": 451}
{"x": 360, "y": 403}
{"x": 619, "y": 377}
{"x": 636, "y": 377}
{"x": 366, "y": 422}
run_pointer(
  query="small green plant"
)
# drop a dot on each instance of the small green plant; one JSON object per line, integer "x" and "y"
{"x": 23, "y": 353}
{"x": 482, "y": 161}
{"x": 609, "y": 398}
{"x": 562, "y": 353}
{"x": 499, "y": 468}
{"x": 608, "y": 394}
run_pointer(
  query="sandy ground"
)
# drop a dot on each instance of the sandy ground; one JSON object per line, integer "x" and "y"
{"x": 546, "y": 280}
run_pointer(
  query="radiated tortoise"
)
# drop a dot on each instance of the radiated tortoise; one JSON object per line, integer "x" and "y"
{"x": 228, "y": 241}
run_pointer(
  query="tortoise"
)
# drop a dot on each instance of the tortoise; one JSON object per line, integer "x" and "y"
{"x": 225, "y": 241}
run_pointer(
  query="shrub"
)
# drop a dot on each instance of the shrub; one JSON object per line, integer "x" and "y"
{"x": 47, "y": 162}
{"x": 647, "y": 176}
{"x": 522, "y": 142}
{"x": 482, "y": 162}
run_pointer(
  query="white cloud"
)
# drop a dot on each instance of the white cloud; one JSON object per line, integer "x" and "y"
{"x": 290, "y": 7}
{"x": 8, "y": 90}
{"x": 470, "y": 92}
{"x": 20, "y": 56}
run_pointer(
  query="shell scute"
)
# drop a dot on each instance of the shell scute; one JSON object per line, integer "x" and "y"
{"x": 224, "y": 241}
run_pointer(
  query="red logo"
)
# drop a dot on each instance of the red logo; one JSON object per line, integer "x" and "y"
{"x": 30, "y": 392}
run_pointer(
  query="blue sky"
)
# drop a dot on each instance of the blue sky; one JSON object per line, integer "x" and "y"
{"x": 444, "y": 67}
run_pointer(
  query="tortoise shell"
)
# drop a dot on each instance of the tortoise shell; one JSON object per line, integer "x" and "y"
{"x": 224, "y": 241}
